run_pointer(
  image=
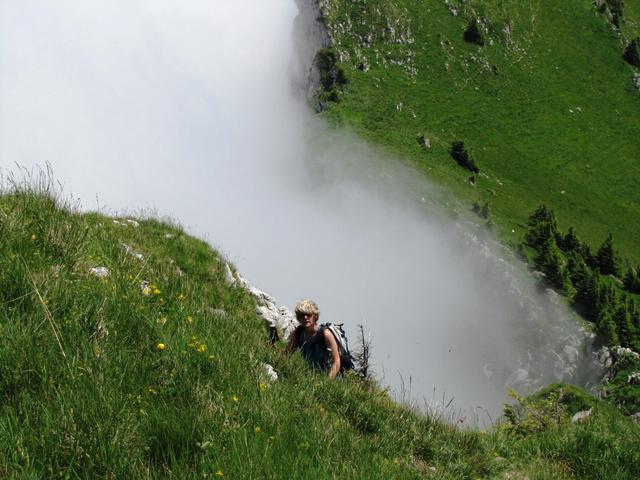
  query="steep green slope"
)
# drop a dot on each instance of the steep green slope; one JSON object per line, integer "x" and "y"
{"x": 126, "y": 355}
{"x": 547, "y": 106}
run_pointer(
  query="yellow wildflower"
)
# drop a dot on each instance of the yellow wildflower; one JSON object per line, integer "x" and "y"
{"x": 219, "y": 473}
{"x": 33, "y": 237}
{"x": 235, "y": 398}
{"x": 263, "y": 386}
{"x": 161, "y": 346}
{"x": 181, "y": 296}
{"x": 202, "y": 348}
{"x": 152, "y": 391}
{"x": 156, "y": 291}
{"x": 189, "y": 319}
{"x": 257, "y": 429}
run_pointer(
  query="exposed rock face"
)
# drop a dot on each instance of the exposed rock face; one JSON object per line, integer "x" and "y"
{"x": 310, "y": 35}
{"x": 269, "y": 372}
{"x": 609, "y": 358}
{"x": 581, "y": 416}
{"x": 634, "y": 379}
{"x": 100, "y": 272}
{"x": 280, "y": 321}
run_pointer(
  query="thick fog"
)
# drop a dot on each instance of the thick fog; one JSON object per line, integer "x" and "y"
{"x": 189, "y": 109}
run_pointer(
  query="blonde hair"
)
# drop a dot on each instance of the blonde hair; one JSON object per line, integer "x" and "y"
{"x": 307, "y": 306}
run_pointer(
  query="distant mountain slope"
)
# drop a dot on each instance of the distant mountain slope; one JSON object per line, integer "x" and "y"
{"x": 538, "y": 91}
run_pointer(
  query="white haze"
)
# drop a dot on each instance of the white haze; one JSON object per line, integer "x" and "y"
{"x": 187, "y": 108}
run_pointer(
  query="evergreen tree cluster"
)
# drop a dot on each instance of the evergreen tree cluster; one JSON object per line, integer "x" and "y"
{"x": 589, "y": 281}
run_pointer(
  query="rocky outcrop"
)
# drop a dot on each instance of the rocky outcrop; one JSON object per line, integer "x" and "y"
{"x": 609, "y": 359}
{"x": 581, "y": 416}
{"x": 310, "y": 35}
{"x": 279, "y": 320}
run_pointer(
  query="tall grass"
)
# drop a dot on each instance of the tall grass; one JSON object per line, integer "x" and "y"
{"x": 156, "y": 371}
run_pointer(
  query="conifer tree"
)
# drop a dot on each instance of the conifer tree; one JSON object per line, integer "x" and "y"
{"x": 630, "y": 280}
{"x": 607, "y": 258}
{"x": 542, "y": 227}
{"x": 484, "y": 213}
{"x": 588, "y": 257}
{"x": 606, "y": 328}
{"x": 586, "y": 300}
{"x": 570, "y": 242}
{"x": 551, "y": 262}
{"x": 577, "y": 267}
{"x": 624, "y": 326}
{"x": 635, "y": 317}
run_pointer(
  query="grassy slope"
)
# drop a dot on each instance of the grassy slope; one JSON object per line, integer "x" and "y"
{"x": 105, "y": 402}
{"x": 517, "y": 123}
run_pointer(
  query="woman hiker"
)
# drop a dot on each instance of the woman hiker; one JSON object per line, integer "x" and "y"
{"x": 317, "y": 345}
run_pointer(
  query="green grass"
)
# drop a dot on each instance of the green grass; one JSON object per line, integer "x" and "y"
{"x": 549, "y": 112}
{"x": 86, "y": 391}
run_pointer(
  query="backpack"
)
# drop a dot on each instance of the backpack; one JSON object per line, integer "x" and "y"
{"x": 346, "y": 360}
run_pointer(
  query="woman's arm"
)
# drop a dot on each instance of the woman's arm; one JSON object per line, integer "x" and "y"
{"x": 331, "y": 343}
{"x": 292, "y": 344}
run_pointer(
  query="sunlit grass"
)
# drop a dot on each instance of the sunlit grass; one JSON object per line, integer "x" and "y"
{"x": 547, "y": 107}
{"x": 155, "y": 370}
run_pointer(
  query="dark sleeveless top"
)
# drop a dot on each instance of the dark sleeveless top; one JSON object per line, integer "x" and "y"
{"x": 314, "y": 350}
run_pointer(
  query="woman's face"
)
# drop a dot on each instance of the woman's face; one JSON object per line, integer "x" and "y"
{"x": 306, "y": 319}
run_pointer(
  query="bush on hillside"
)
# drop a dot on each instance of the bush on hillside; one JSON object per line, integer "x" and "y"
{"x": 460, "y": 155}
{"x": 473, "y": 33}
{"x": 632, "y": 53}
{"x": 535, "y": 414}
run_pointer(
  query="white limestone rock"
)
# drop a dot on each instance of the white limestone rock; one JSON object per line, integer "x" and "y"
{"x": 100, "y": 272}
{"x": 581, "y": 416}
{"x": 620, "y": 352}
{"x": 269, "y": 371}
{"x": 228, "y": 276}
{"x": 634, "y": 379}
{"x": 277, "y": 318}
{"x": 132, "y": 252}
